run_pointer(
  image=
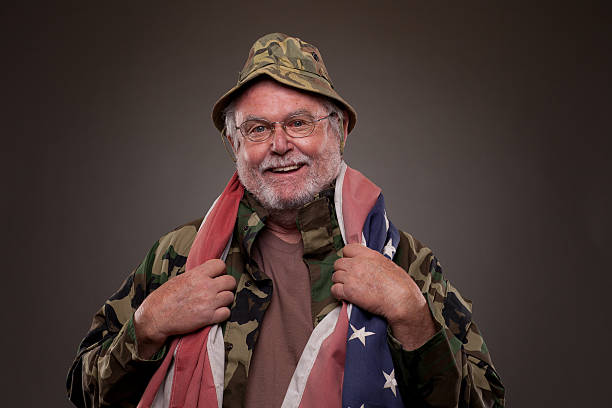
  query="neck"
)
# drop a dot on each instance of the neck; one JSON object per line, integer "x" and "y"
{"x": 282, "y": 224}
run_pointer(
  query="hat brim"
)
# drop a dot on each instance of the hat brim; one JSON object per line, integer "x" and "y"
{"x": 294, "y": 78}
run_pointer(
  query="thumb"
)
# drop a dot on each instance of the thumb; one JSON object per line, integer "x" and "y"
{"x": 353, "y": 250}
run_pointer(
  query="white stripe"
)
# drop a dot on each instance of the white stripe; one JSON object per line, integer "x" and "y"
{"x": 226, "y": 250}
{"x": 338, "y": 199}
{"x": 386, "y": 220}
{"x": 300, "y": 376}
{"x": 209, "y": 210}
{"x": 164, "y": 392}
{"x": 216, "y": 356}
{"x": 389, "y": 249}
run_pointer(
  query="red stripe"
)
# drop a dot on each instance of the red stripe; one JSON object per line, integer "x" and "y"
{"x": 324, "y": 385}
{"x": 193, "y": 382}
{"x": 158, "y": 378}
{"x": 217, "y": 230}
{"x": 358, "y": 197}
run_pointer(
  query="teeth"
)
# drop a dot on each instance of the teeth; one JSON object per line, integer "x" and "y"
{"x": 284, "y": 169}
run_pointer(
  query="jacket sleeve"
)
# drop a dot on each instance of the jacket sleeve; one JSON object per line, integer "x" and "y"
{"x": 107, "y": 370}
{"x": 454, "y": 368}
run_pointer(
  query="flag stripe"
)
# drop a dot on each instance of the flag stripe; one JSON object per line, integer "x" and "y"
{"x": 216, "y": 353}
{"x": 358, "y": 197}
{"x": 324, "y": 385}
{"x": 321, "y": 334}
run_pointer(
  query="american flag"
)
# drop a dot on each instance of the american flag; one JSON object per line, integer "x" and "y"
{"x": 346, "y": 361}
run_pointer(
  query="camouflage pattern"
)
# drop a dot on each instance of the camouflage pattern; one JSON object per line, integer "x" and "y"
{"x": 452, "y": 369}
{"x": 291, "y": 62}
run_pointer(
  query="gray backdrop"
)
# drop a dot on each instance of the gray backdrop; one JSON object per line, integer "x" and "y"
{"x": 487, "y": 127}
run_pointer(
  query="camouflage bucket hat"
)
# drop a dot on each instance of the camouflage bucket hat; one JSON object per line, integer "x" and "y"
{"x": 291, "y": 62}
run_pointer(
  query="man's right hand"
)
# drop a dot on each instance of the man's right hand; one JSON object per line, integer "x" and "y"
{"x": 190, "y": 301}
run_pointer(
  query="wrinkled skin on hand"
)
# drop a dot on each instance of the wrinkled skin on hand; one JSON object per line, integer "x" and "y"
{"x": 371, "y": 281}
{"x": 192, "y": 300}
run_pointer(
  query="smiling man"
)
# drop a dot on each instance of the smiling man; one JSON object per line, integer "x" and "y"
{"x": 295, "y": 290}
{"x": 285, "y": 169}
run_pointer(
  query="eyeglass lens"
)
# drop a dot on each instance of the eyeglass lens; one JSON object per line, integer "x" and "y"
{"x": 260, "y": 129}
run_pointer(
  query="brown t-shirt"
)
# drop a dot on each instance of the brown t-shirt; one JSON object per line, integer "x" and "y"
{"x": 287, "y": 324}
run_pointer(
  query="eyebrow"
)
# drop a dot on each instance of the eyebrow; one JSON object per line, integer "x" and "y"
{"x": 294, "y": 113}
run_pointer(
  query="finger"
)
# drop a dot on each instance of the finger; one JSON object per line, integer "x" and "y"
{"x": 221, "y": 315}
{"x": 213, "y": 267}
{"x": 339, "y": 276}
{"x": 353, "y": 250}
{"x": 342, "y": 263}
{"x": 224, "y": 298}
{"x": 224, "y": 282}
{"x": 337, "y": 291}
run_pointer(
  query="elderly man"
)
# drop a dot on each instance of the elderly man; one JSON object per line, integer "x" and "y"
{"x": 295, "y": 290}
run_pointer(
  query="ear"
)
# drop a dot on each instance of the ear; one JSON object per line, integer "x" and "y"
{"x": 229, "y": 139}
{"x": 344, "y": 125}
{"x": 232, "y": 150}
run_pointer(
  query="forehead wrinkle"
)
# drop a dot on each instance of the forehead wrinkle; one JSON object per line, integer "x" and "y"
{"x": 254, "y": 117}
{"x": 289, "y": 115}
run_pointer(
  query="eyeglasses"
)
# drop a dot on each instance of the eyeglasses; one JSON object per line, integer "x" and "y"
{"x": 260, "y": 130}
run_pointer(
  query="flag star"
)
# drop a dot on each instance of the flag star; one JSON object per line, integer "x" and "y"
{"x": 389, "y": 250}
{"x": 360, "y": 334}
{"x": 390, "y": 381}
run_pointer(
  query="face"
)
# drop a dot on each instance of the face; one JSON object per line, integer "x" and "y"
{"x": 284, "y": 172}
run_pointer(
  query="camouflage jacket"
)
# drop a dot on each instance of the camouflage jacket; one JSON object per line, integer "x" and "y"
{"x": 452, "y": 369}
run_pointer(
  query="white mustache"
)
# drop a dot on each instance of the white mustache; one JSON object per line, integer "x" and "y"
{"x": 297, "y": 159}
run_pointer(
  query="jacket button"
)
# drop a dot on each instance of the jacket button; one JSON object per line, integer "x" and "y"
{"x": 248, "y": 283}
{"x": 228, "y": 346}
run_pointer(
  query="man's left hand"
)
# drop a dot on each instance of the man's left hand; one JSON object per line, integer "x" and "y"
{"x": 373, "y": 282}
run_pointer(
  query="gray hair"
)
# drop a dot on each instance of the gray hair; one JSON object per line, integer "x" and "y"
{"x": 229, "y": 113}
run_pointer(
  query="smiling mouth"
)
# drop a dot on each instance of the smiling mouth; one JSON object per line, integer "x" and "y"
{"x": 286, "y": 169}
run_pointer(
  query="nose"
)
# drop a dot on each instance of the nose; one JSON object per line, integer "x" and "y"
{"x": 280, "y": 140}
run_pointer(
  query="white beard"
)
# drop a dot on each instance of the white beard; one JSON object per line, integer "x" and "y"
{"x": 322, "y": 171}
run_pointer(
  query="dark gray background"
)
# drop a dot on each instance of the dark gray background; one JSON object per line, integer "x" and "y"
{"x": 487, "y": 127}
